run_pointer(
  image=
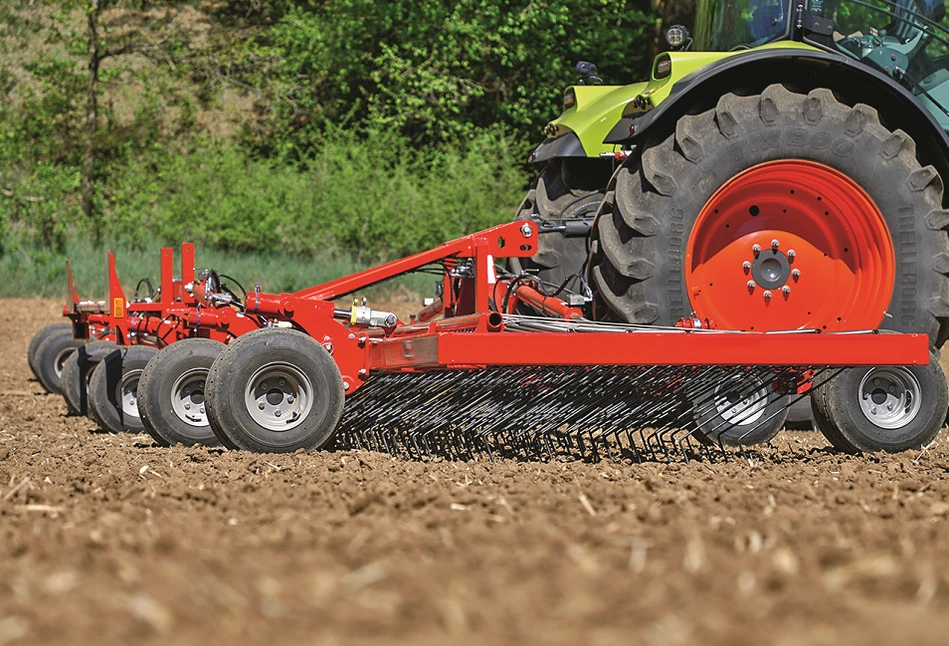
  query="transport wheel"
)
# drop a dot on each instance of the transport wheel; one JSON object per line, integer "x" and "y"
{"x": 776, "y": 211}
{"x": 740, "y": 411}
{"x": 171, "y": 393}
{"x": 50, "y": 357}
{"x": 113, "y": 388}
{"x": 882, "y": 408}
{"x": 39, "y": 337}
{"x": 274, "y": 391}
{"x": 78, "y": 367}
{"x": 567, "y": 189}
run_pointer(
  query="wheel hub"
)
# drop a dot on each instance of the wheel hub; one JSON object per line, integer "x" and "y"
{"x": 890, "y": 397}
{"x": 790, "y": 244}
{"x": 187, "y": 397}
{"x": 127, "y": 393}
{"x": 279, "y": 396}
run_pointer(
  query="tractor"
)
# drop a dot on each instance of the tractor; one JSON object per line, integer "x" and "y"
{"x": 781, "y": 169}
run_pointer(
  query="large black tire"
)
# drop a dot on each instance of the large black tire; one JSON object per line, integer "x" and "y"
{"x": 274, "y": 391}
{"x": 39, "y": 337}
{"x": 171, "y": 393}
{"x": 77, "y": 369}
{"x": 567, "y": 189}
{"x": 51, "y": 356}
{"x": 113, "y": 388}
{"x": 741, "y": 411}
{"x": 643, "y": 228}
{"x": 865, "y": 409}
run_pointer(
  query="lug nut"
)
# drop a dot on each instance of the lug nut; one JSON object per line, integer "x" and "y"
{"x": 526, "y": 230}
{"x": 796, "y": 274}
{"x": 889, "y": 406}
{"x": 277, "y": 413}
{"x": 187, "y": 406}
{"x": 751, "y": 284}
{"x": 756, "y": 249}
{"x": 260, "y": 406}
{"x": 289, "y": 399}
{"x": 746, "y": 266}
{"x": 785, "y": 290}
{"x": 791, "y": 254}
{"x": 767, "y": 294}
{"x": 775, "y": 244}
{"x": 263, "y": 386}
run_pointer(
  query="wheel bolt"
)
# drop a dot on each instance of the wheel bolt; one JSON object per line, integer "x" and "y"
{"x": 751, "y": 284}
{"x": 263, "y": 386}
{"x": 756, "y": 249}
{"x": 889, "y": 406}
{"x": 791, "y": 254}
{"x": 746, "y": 266}
{"x": 873, "y": 411}
{"x": 289, "y": 399}
{"x": 796, "y": 274}
{"x": 260, "y": 405}
{"x": 282, "y": 382}
{"x": 187, "y": 406}
{"x": 201, "y": 411}
{"x": 775, "y": 244}
{"x": 866, "y": 395}
{"x": 767, "y": 294}
{"x": 277, "y": 413}
{"x": 785, "y": 290}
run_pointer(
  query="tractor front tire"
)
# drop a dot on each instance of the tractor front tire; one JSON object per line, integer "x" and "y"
{"x": 776, "y": 211}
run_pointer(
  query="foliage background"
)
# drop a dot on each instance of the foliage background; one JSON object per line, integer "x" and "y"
{"x": 294, "y": 127}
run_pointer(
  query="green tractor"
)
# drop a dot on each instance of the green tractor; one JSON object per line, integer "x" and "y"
{"x": 781, "y": 169}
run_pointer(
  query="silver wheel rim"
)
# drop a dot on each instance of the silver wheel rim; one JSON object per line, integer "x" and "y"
{"x": 126, "y": 393}
{"x": 278, "y": 396}
{"x": 736, "y": 405}
{"x": 60, "y": 360}
{"x": 890, "y": 397}
{"x": 187, "y": 397}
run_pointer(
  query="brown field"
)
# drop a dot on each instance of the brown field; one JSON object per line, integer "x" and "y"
{"x": 109, "y": 539}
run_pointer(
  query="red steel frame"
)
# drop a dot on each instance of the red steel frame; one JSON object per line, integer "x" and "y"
{"x": 473, "y": 334}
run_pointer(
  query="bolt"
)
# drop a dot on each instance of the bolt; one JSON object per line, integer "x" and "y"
{"x": 876, "y": 382}
{"x": 796, "y": 274}
{"x": 263, "y": 385}
{"x": 526, "y": 230}
{"x": 329, "y": 347}
{"x": 751, "y": 284}
{"x": 352, "y": 336}
{"x": 893, "y": 389}
{"x": 866, "y": 395}
{"x": 187, "y": 406}
{"x": 746, "y": 266}
{"x": 289, "y": 399}
{"x": 756, "y": 249}
{"x": 775, "y": 244}
{"x": 363, "y": 372}
{"x": 277, "y": 413}
{"x": 873, "y": 411}
{"x": 889, "y": 406}
{"x": 282, "y": 382}
{"x": 346, "y": 385}
{"x": 785, "y": 290}
{"x": 791, "y": 254}
{"x": 767, "y": 294}
{"x": 201, "y": 411}
{"x": 260, "y": 405}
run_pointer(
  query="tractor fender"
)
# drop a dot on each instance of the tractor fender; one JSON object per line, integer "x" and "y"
{"x": 800, "y": 71}
{"x": 579, "y": 131}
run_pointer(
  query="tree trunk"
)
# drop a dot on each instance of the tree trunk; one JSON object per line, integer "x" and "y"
{"x": 92, "y": 113}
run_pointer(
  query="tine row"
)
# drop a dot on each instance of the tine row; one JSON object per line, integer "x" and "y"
{"x": 628, "y": 413}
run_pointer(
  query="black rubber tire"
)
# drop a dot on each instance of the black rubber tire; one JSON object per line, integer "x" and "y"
{"x": 713, "y": 429}
{"x": 567, "y": 189}
{"x": 50, "y": 356}
{"x": 76, "y": 373}
{"x": 840, "y": 418}
{"x": 643, "y": 227}
{"x": 232, "y": 372}
{"x": 156, "y": 389}
{"x": 39, "y": 337}
{"x": 105, "y": 398}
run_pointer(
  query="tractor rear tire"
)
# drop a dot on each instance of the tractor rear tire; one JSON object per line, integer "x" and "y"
{"x": 567, "y": 189}
{"x": 77, "y": 369}
{"x": 274, "y": 391}
{"x": 659, "y": 233}
{"x": 171, "y": 393}
{"x": 39, "y": 337}
{"x": 868, "y": 409}
{"x": 51, "y": 356}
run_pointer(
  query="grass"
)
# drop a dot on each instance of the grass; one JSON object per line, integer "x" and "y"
{"x": 35, "y": 272}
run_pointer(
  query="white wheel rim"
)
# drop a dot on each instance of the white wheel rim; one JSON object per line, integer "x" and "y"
{"x": 890, "y": 397}
{"x": 126, "y": 393}
{"x": 278, "y": 396}
{"x": 187, "y": 397}
{"x": 736, "y": 405}
{"x": 60, "y": 360}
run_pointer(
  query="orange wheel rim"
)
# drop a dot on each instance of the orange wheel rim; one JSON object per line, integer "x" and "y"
{"x": 787, "y": 245}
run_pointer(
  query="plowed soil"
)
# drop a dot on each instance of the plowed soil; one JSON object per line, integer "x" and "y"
{"x": 108, "y": 539}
